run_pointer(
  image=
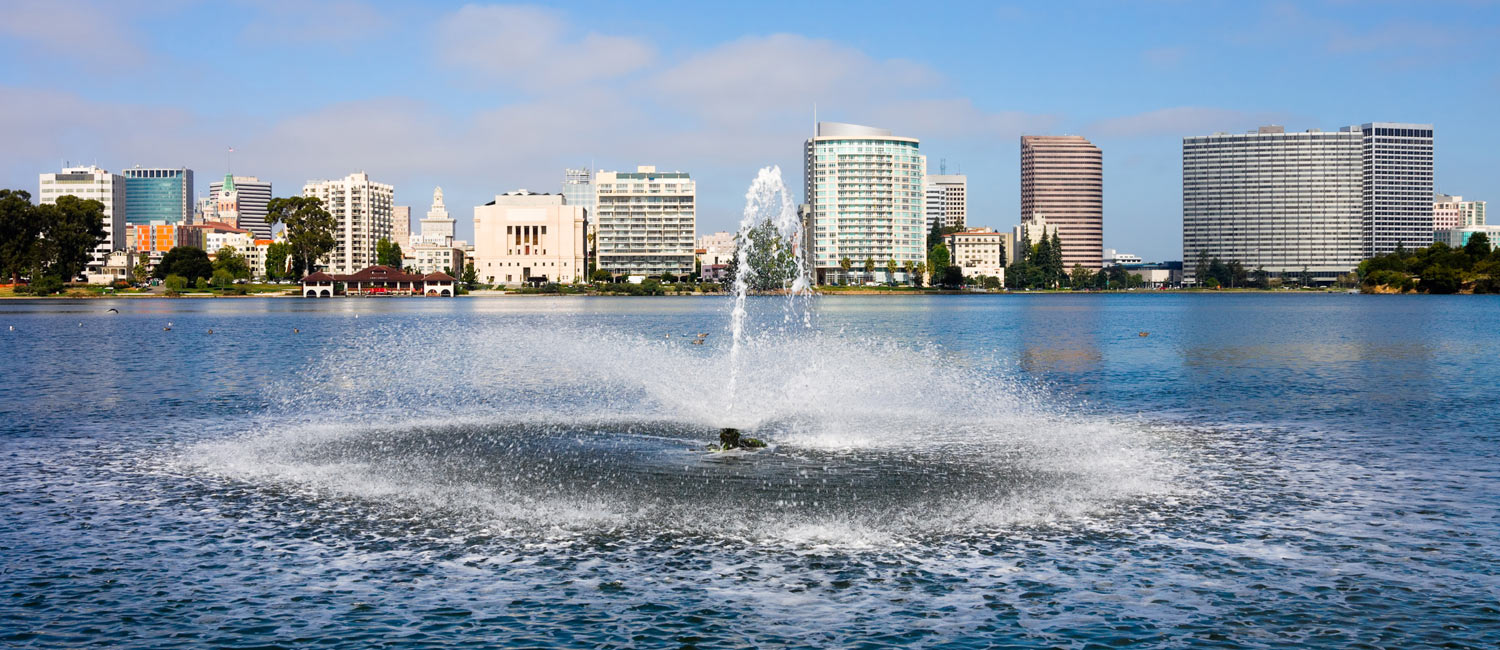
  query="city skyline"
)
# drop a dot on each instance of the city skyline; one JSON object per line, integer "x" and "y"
{"x": 483, "y": 99}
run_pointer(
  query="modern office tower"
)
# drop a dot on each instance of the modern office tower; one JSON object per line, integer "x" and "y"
{"x": 91, "y": 182}
{"x": 1062, "y": 179}
{"x": 947, "y": 200}
{"x": 1454, "y": 212}
{"x": 164, "y": 195}
{"x": 362, "y": 209}
{"x": 578, "y": 189}
{"x": 1319, "y": 200}
{"x": 437, "y": 226}
{"x": 1276, "y": 201}
{"x": 524, "y": 237}
{"x": 1397, "y": 186}
{"x": 252, "y": 195}
{"x": 401, "y": 226}
{"x": 865, "y": 198}
{"x": 646, "y": 220}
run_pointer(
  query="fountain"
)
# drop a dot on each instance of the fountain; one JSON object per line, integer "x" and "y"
{"x": 769, "y": 258}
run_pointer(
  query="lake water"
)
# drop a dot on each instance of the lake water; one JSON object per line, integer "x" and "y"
{"x": 1257, "y": 471}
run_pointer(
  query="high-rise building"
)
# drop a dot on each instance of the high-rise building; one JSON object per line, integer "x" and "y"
{"x": 401, "y": 226}
{"x": 523, "y": 237}
{"x": 578, "y": 189}
{"x": 1275, "y": 201}
{"x": 437, "y": 226}
{"x": 947, "y": 200}
{"x": 647, "y": 221}
{"x": 252, "y": 195}
{"x": 1062, "y": 179}
{"x": 1397, "y": 186}
{"x": 1319, "y": 200}
{"x": 865, "y": 198}
{"x": 362, "y": 209}
{"x": 157, "y": 194}
{"x": 91, "y": 182}
{"x": 1450, "y": 212}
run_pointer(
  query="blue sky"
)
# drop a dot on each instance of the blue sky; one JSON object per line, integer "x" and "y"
{"x": 487, "y": 98}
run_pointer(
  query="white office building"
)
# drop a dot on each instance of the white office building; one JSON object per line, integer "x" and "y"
{"x": 947, "y": 200}
{"x": 90, "y": 182}
{"x": 437, "y": 226}
{"x": 647, "y": 221}
{"x": 980, "y": 251}
{"x": 251, "y": 196}
{"x": 363, "y": 211}
{"x": 865, "y": 198}
{"x": 523, "y": 237}
{"x": 1397, "y": 185}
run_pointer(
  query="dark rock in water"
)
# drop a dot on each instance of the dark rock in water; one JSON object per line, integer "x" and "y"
{"x": 729, "y": 438}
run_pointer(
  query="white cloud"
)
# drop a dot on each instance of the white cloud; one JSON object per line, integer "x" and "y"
{"x": 1183, "y": 121}
{"x": 316, "y": 21}
{"x": 763, "y": 77}
{"x": 82, "y": 30}
{"x": 533, "y": 46}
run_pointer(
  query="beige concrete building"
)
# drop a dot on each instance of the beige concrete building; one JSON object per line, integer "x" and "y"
{"x": 1449, "y": 212}
{"x": 1029, "y": 234}
{"x": 1062, "y": 177}
{"x": 525, "y": 237}
{"x": 401, "y": 226}
{"x": 980, "y": 251}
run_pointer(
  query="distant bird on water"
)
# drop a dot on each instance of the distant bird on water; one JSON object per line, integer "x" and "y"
{"x": 1144, "y": 334}
{"x": 210, "y": 331}
{"x": 296, "y": 331}
{"x": 112, "y": 310}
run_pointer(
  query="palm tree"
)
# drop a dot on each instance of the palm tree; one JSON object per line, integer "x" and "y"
{"x": 845, "y": 264}
{"x": 869, "y": 269}
{"x": 907, "y": 266}
{"x": 921, "y": 271}
{"x": 890, "y": 272}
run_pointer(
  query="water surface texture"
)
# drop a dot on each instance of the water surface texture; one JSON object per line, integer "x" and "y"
{"x": 1255, "y": 471}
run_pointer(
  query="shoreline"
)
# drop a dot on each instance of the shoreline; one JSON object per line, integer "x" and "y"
{"x": 489, "y": 294}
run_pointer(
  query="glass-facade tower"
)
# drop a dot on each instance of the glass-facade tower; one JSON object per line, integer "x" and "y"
{"x": 164, "y": 195}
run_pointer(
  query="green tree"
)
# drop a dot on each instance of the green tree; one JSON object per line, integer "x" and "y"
{"x": 1080, "y": 277}
{"x": 920, "y": 268}
{"x": 869, "y": 267}
{"x": 71, "y": 229}
{"x": 309, "y": 230}
{"x": 1305, "y": 278}
{"x": 20, "y": 235}
{"x": 222, "y": 278}
{"x": 908, "y": 266}
{"x": 953, "y": 276}
{"x": 175, "y": 284}
{"x": 770, "y": 261}
{"x": 1201, "y": 267}
{"x": 938, "y": 260}
{"x": 276, "y": 259}
{"x": 388, "y": 253}
{"x": 141, "y": 272}
{"x": 601, "y": 275}
{"x": 845, "y": 263}
{"x": 890, "y": 272}
{"x": 187, "y": 261}
{"x": 1055, "y": 272}
{"x": 1478, "y": 246}
{"x": 1440, "y": 279}
{"x": 230, "y": 261}
{"x": 471, "y": 277}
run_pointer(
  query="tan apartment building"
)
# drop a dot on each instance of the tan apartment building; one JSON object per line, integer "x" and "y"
{"x": 979, "y": 251}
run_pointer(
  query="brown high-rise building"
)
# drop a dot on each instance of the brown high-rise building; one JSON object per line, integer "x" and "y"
{"x": 1062, "y": 181}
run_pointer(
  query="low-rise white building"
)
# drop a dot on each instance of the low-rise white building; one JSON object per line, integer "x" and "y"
{"x": 524, "y": 237}
{"x": 980, "y": 251}
{"x": 1458, "y": 237}
{"x": 433, "y": 258}
{"x": 90, "y": 182}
